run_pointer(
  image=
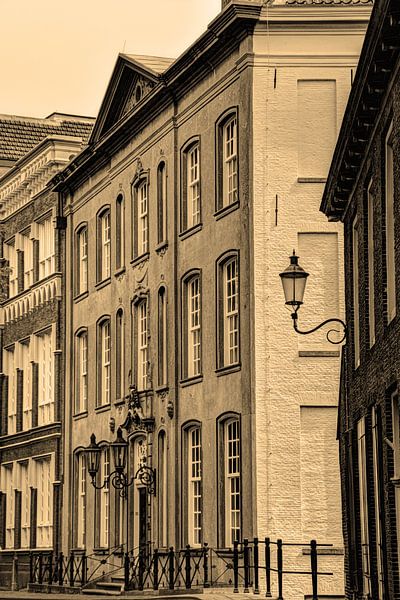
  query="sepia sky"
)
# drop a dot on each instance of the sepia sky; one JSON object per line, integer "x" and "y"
{"x": 57, "y": 56}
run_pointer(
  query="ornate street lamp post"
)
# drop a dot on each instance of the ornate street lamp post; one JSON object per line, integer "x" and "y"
{"x": 118, "y": 478}
{"x": 294, "y": 279}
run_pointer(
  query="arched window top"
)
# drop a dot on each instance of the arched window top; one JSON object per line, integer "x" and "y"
{"x": 191, "y": 424}
{"x": 82, "y": 330}
{"x": 103, "y": 210}
{"x": 79, "y": 228}
{"x": 227, "y": 256}
{"x": 228, "y": 416}
{"x": 191, "y": 275}
{"x": 192, "y": 141}
{"x": 103, "y": 319}
{"x": 227, "y": 115}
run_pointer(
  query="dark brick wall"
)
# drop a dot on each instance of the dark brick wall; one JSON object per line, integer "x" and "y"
{"x": 379, "y": 371}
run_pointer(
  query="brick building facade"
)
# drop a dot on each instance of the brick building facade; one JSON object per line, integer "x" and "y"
{"x": 362, "y": 191}
{"x": 180, "y": 214}
{"x": 32, "y": 333}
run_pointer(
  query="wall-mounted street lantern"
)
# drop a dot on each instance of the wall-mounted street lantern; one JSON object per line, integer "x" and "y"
{"x": 118, "y": 478}
{"x": 294, "y": 279}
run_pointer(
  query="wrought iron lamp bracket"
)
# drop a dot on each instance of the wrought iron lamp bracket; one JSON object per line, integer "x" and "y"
{"x": 339, "y": 321}
{"x": 147, "y": 476}
{"x": 118, "y": 480}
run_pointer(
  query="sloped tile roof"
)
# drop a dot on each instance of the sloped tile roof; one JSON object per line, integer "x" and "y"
{"x": 157, "y": 64}
{"x": 326, "y": 2}
{"x": 19, "y": 135}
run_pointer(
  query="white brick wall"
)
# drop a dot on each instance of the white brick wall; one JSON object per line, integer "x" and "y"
{"x": 296, "y": 468}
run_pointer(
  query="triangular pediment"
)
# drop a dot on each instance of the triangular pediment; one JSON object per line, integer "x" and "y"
{"x": 133, "y": 78}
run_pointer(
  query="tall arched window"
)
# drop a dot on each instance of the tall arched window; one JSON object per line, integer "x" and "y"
{"x": 120, "y": 355}
{"x": 103, "y": 244}
{"x": 191, "y": 326}
{"x": 81, "y": 266}
{"x": 140, "y": 212}
{"x": 161, "y": 203}
{"x": 228, "y": 309}
{"x": 81, "y": 371}
{"x": 162, "y": 337}
{"x": 140, "y": 344}
{"x": 229, "y": 452}
{"x": 194, "y": 486}
{"x": 104, "y": 362}
{"x": 227, "y": 160}
{"x": 162, "y": 491}
{"x": 120, "y": 232}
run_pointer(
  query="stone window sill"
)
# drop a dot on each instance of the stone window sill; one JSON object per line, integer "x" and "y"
{"x": 102, "y": 283}
{"x": 188, "y": 232}
{"x": 191, "y": 381}
{"x": 226, "y": 210}
{"x": 228, "y": 369}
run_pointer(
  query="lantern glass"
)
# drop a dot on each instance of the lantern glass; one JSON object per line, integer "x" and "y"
{"x": 294, "y": 280}
{"x": 119, "y": 448}
{"x": 93, "y": 456}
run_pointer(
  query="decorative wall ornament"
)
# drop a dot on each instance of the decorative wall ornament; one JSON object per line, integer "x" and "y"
{"x": 135, "y": 419}
{"x": 170, "y": 409}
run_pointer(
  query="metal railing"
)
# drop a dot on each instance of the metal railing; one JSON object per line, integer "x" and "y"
{"x": 249, "y": 563}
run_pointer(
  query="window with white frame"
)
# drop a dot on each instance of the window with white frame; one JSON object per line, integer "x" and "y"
{"x": 120, "y": 232}
{"x": 376, "y": 455}
{"x": 363, "y": 497}
{"x": 81, "y": 372}
{"x": 120, "y": 354}
{"x": 227, "y": 160}
{"x": 142, "y": 344}
{"x": 25, "y": 503}
{"x": 194, "y": 487}
{"x": 11, "y": 373}
{"x": 105, "y": 499}
{"x": 232, "y": 481}
{"x": 27, "y": 247}
{"x": 162, "y": 491}
{"x": 27, "y": 384}
{"x": 140, "y": 217}
{"x": 10, "y": 254}
{"x": 82, "y": 260}
{"x": 44, "y": 529}
{"x": 371, "y": 265}
{"x": 192, "y": 326}
{"x": 104, "y": 245}
{"x": 356, "y": 309}
{"x": 81, "y": 501}
{"x": 390, "y": 228}
{"x": 104, "y": 362}
{"x": 9, "y": 487}
{"x": 45, "y": 360}
{"x": 191, "y": 196}
{"x": 396, "y": 433}
{"x": 162, "y": 203}
{"x": 46, "y": 247}
{"x": 228, "y": 311}
{"x": 162, "y": 337}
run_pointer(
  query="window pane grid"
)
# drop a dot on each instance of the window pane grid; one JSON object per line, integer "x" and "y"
{"x": 195, "y": 499}
{"x": 230, "y": 161}
{"x": 46, "y": 378}
{"x": 194, "y": 337}
{"x": 106, "y": 246}
{"x": 231, "y": 320}
{"x": 193, "y": 177}
{"x": 105, "y": 362}
{"x": 142, "y": 345}
{"x": 83, "y": 258}
{"x": 143, "y": 219}
{"x": 81, "y": 404}
{"x": 81, "y": 501}
{"x": 232, "y": 448}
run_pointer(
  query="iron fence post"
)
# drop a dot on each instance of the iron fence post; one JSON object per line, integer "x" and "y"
{"x": 235, "y": 567}
{"x": 280, "y": 569}
{"x": 171, "y": 567}
{"x": 31, "y": 567}
{"x": 60, "y": 568}
{"x": 256, "y": 586}
{"x": 205, "y": 565}
{"x": 267, "y": 543}
{"x": 40, "y": 578}
{"x": 314, "y": 569}
{"x": 126, "y": 570}
{"x": 84, "y": 568}
{"x": 187, "y": 568}
{"x": 141, "y": 568}
{"x": 246, "y": 565}
{"x": 155, "y": 572}
{"x": 71, "y": 569}
{"x": 50, "y": 564}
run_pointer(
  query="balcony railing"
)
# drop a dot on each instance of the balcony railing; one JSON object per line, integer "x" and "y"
{"x": 27, "y": 301}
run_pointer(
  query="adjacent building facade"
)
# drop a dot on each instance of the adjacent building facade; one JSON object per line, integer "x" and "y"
{"x": 362, "y": 192}
{"x": 200, "y": 177}
{"x": 32, "y": 333}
